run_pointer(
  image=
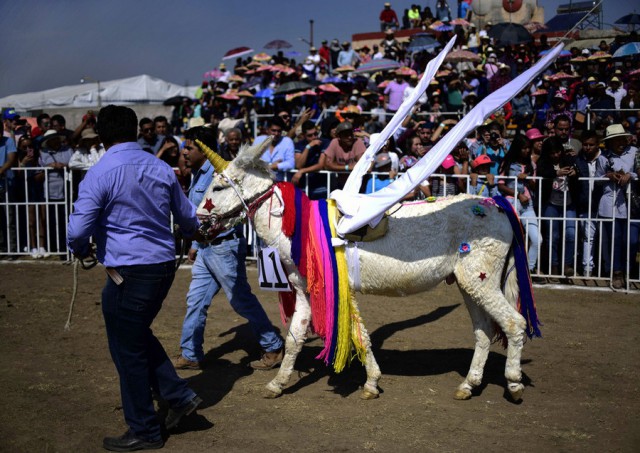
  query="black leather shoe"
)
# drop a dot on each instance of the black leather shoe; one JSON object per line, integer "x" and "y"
{"x": 129, "y": 442}
{"x": 175, "y": 414}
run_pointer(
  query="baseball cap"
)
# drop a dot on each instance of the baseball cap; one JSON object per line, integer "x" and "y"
{"x": 448, "y": 162}
{"x": 345, "y": 126}
{"x": 482, "y": 159}
{"x": 10, "y": 114}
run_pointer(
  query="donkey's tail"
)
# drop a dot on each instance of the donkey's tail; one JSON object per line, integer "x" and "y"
{"x": 517, "y": 288}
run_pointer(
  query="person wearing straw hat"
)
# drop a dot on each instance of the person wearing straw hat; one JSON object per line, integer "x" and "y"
{"x": 388, "y": 18}
{"x": 616, "y": 91}
{"x": 219, "y": 265}
{"x": 620, "y": 170}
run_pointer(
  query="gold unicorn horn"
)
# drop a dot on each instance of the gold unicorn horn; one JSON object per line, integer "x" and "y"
{"x": 219, "y": 164}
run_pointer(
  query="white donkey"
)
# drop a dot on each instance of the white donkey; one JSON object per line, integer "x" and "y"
{"x": 420, "y": 250}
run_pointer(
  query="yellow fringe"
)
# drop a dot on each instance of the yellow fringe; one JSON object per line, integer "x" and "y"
{"x": 349, "y": 334}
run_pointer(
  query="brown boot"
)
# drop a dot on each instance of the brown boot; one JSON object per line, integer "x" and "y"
{"x": 180, "y": 363}
{"x": 268, "y": 360}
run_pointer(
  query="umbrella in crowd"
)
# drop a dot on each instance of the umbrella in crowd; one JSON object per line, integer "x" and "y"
{"x": 561, "y": 76}
{"x": 635, "y": 72}
{"x": 384, "y": 84}
{"x": 381, "y": 64}
{"x": 293, "y": 53}
{"x": 229, "y": 96}
{"x": 213, "y": 74}
{"x": 462, "y": 55}
{"x": 236, "y": 78}
{"x": 345, "y": 68}
{"x": 629, "y": 49}
{"x": 422, "y": 41}
{"x": 245, "y": 94}
{"x": 599, "y": 55}
{"x": 579, "y": 59}
{"x": 329, "y": 88}
{"x": 331, "y": 79}
{"x": 277, "y": 44}
{"x": 630, "y": 19}
{"x": 175, "y": 100}
{"x": 291, "y": 87}
{"x": 506, "y": 34}
{"x": 237, "y": 52}
{"x": 262, "y": 57}
{"x": 533, "y": 27}
{"x": 406, "y": 71}
{"x": 540, "y": 93}
{"x": 461, "y": 22}
{"x": 440, "y": 26}
{"x": 266, "y": 93}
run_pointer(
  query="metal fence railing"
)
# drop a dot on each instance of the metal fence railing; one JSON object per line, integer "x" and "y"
{"x": 33, "y": 219}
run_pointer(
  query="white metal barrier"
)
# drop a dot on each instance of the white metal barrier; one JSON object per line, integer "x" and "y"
{"x": 32, "y": 222}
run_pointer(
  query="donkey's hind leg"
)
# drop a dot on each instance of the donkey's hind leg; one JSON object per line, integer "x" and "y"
{"x": 482, "y": 330}
{"x": 293, "y": 344}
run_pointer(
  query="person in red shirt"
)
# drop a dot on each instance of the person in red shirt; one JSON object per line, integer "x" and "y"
{"x": 388, "y": 18}
{"x": 325, "y": 54}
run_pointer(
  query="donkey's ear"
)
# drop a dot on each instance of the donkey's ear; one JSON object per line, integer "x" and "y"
{"x": 250, "y": 154}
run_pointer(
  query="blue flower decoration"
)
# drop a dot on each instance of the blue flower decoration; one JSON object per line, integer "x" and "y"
{"x": 464, "y": 248}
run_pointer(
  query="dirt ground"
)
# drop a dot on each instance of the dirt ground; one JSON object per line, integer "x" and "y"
{"x": 60, "y": 389}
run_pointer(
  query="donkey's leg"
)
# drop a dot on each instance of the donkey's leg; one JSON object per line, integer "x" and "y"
{"x": 370, "y": 390}
{"x": 293, "y": 344}
{"x": 487, "y": 294}
{"x": 482, "y": 330}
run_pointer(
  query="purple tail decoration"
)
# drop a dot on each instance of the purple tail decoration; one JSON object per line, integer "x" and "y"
{"x": 526, "y": 302}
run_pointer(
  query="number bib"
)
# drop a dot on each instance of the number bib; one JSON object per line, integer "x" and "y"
{"x": 271, "y": 275}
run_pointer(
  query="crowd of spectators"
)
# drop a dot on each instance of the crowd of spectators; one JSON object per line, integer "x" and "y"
{"x": 545, "y": 149}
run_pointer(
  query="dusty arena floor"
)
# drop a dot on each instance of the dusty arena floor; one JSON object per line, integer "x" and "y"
{"x": 60, "y": 389}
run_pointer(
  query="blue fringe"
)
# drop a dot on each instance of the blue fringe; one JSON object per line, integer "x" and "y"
{"x": 296, "y": 240}
{"x": 527, "y": 304}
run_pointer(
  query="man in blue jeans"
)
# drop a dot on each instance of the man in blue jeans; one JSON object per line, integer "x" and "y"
{"x": 219, "y": 265}
{"x": 125, "y": 202}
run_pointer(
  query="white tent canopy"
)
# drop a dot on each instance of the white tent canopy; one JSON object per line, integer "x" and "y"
{"x": 133, "y": 90}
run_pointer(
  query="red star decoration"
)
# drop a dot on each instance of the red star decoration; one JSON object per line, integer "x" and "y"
{"x": 483, "y": 276}
{"x": 208, "y": 205}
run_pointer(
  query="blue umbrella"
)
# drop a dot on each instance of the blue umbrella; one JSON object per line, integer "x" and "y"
{"x": 380, "y": 64}
{"x": 266, "y": 93}
{"x": 629, "y": 49}
{"x": 332, "y": 79}
{"x": 292, "y": 53}
{"x": 422, "y": 41}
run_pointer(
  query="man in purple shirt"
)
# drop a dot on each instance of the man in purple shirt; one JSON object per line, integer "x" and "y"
{"x": 125, "y": 202}
{"x": 394, "y": 92}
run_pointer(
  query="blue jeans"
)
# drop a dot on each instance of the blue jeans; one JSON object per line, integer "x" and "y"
{"x": 529, "y": 221}
{"x": 619, "y": 238}
{"x": 589, "y": 230}
{"x": 557, "y": 241}
{"x": 222, "y": 267}
{"x": 129, "y": 310}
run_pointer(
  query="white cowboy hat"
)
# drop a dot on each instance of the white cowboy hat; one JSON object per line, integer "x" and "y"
{"x": 615, "y": 130}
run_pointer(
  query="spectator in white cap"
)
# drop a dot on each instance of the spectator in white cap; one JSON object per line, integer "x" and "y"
{"x": 616, "y": 91}
{"x": 311, "y": 63}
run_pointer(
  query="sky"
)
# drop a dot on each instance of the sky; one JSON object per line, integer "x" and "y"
{"x": 46, "y": 44}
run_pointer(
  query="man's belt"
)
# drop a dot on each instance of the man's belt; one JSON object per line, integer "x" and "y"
{"x": 229, "y": 237}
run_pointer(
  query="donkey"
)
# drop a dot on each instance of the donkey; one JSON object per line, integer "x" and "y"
{"x": 401, "y": 262}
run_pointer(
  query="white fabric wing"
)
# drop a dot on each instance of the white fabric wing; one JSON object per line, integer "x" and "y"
{"x": 360, "y": 209}
{"x": 362, "y": 166}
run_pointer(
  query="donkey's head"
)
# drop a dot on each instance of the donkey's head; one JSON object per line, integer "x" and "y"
{"x": 235, "y": 185}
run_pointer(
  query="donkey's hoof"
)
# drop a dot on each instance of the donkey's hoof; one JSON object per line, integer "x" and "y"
{"x": 462, "y": 394}
{"x": 271, "y": 391}
{"x": 369, "y": 395}
{"x": 516, "y": 389}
